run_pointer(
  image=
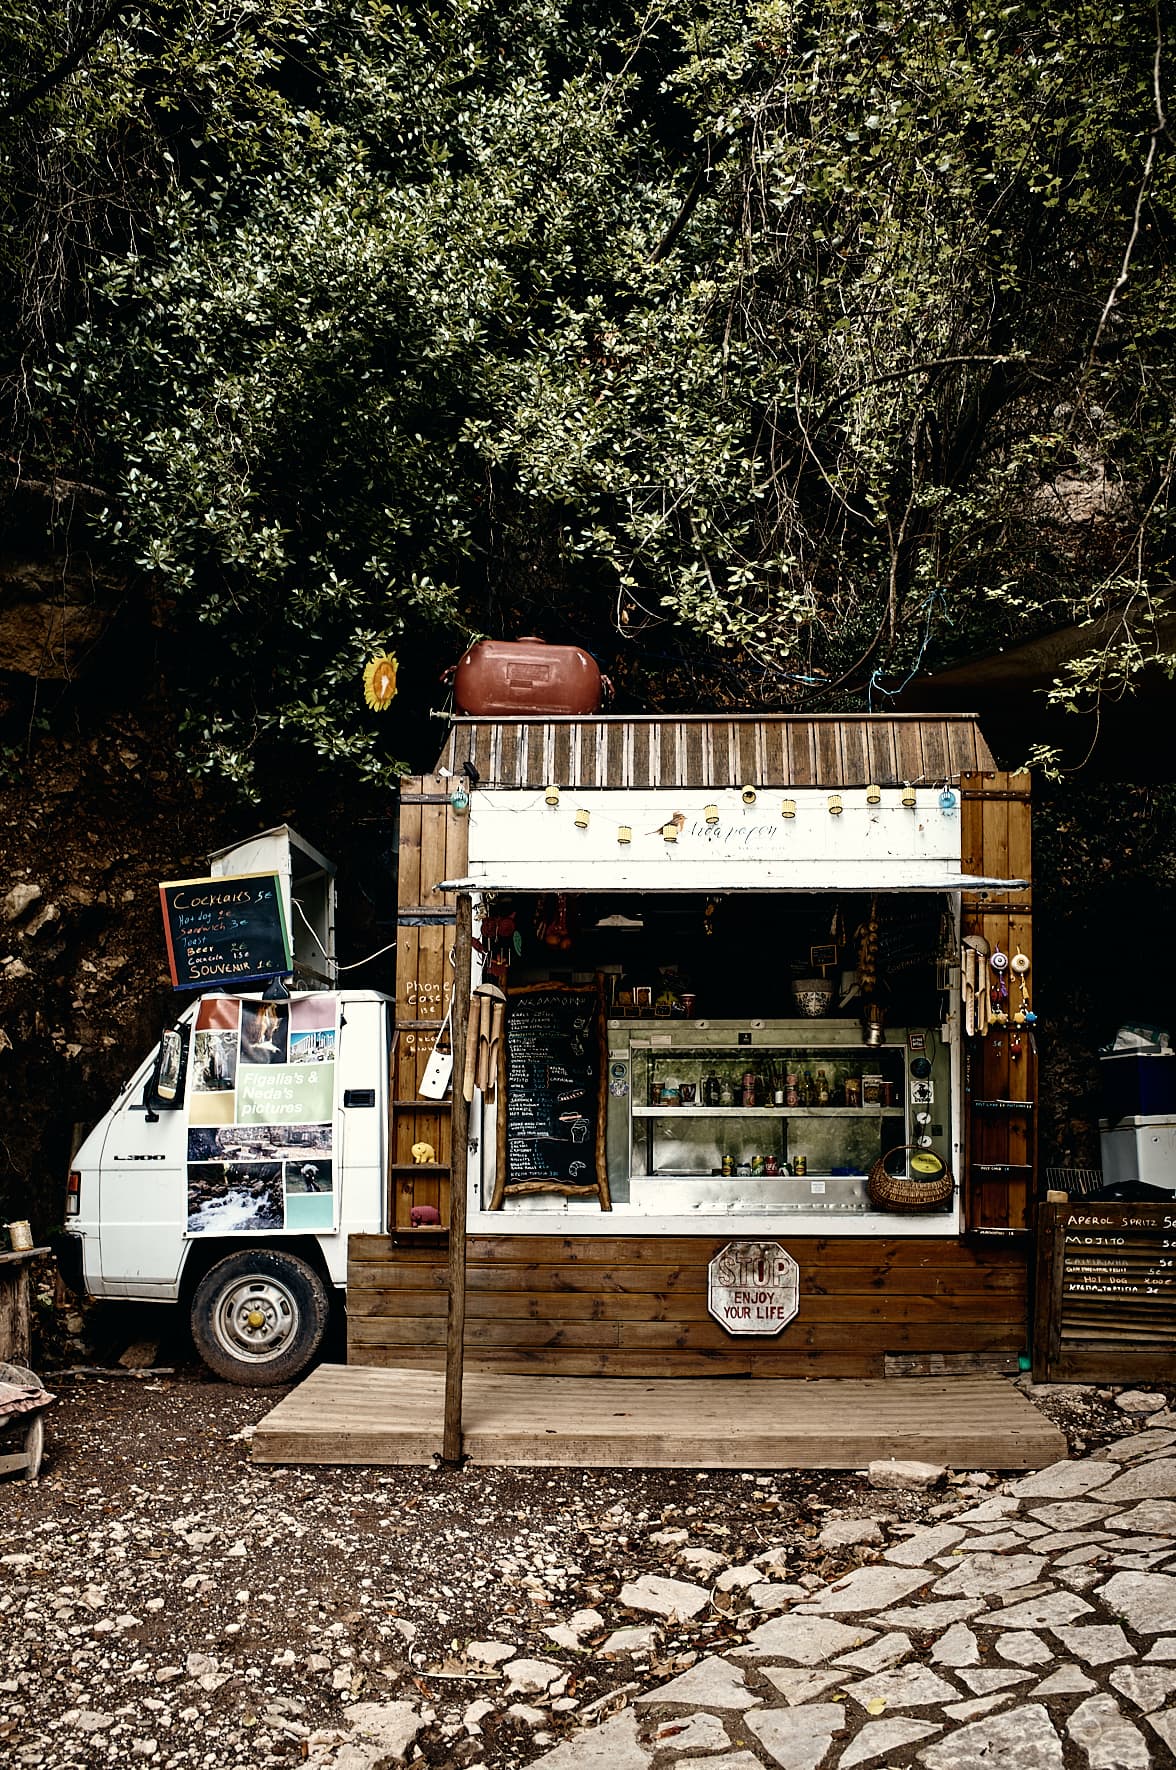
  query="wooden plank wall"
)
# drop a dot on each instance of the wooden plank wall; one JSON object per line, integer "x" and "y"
{"x": 636, "y": 1306}
{"x": 432, "y": 847}
{"x": 1000, "y": 1145}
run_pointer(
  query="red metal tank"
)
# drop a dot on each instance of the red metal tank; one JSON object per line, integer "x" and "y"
{"x": 498, "y": 677}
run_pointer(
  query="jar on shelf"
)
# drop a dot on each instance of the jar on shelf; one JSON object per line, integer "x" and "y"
{"x": 748, "y": 1088}
{"x": 853, "y": 1090}
{"x": 791, "y": 1089}
{"x": 726, "y": 1092}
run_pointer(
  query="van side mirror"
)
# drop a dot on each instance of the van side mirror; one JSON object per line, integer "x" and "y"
{"x": 165, "y": 1085}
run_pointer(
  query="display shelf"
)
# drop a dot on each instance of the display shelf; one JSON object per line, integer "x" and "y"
{"x": 767, "y": 1112}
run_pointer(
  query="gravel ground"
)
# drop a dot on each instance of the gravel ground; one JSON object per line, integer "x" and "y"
{"x": 165, "y": 1601}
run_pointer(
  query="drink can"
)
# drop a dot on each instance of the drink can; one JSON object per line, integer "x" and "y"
{"x": 728, "y": 1164}
{"x": 800, "y": 1165}
{"x": 20, "y": 1234}
{"x": 757, "y": 1165}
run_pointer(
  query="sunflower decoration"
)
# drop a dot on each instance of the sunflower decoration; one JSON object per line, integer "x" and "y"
{"x": 379, "y": 681}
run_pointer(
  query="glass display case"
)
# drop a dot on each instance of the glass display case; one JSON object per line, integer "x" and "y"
{"x": 785, "y": 1116}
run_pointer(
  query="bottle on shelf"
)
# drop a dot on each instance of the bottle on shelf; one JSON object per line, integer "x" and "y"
{"x": 712, "y": 1090}
{"x": 791, "y": 1089}
{"x": 822, "y": 1089}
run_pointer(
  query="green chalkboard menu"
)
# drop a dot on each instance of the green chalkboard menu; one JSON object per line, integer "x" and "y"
{"x": 1106, "y": 1292}
{"x": 552, "y": 1098}
{"x": 222, "y": 932}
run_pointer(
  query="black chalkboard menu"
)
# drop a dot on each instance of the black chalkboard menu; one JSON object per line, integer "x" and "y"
{"x": 1106, "y": 1292}
{"x": 552, "y": 1093}
{"x": 222, "y": 932}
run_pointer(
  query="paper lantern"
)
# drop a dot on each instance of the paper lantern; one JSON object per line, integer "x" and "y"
{"x": 551, "y": 796}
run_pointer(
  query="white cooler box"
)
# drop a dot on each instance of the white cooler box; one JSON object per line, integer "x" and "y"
{"x": 1139, "y": 1149}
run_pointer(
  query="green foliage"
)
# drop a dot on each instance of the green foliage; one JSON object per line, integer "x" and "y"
{"x": 799, "y": 345}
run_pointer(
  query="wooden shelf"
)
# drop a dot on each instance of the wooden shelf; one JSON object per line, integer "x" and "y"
{"x": 422, "y": 1168}
{"x": 767, "y": 1112}
{"x": 420, "y": 1105}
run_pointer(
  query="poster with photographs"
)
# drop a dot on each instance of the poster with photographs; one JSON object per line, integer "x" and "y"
{"x": 260, "y": 1115}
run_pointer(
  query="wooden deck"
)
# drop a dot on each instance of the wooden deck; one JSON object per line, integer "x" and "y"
{"x": 356, "y": 1414}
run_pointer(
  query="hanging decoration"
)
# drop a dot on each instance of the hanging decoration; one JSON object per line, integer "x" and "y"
{"x": 551, "y": 796}
{"x": 459, "y": 799}
{"x": 379, "y": 681}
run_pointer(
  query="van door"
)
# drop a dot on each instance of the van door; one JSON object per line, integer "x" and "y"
{"x": 142, "y": 1196}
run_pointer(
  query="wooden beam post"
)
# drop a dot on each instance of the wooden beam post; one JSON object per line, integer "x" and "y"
{"x": 459, "y": 1163}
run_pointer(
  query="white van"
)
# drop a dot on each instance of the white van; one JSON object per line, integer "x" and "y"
{"x": 230, "y": 1172}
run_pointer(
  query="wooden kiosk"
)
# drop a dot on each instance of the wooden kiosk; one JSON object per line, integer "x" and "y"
{"x": 660, "y": 887}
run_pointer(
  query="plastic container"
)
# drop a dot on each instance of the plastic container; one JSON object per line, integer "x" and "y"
{"x": 1134, "y": 1085}
{"x": 498, "y": 677}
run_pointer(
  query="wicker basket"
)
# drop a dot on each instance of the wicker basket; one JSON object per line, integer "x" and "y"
{"x": 897, "y": 1192}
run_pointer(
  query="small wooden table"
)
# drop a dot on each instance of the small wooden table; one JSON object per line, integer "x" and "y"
{"x": 15, "y": 1310}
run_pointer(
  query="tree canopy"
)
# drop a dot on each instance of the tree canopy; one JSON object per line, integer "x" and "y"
{"x": 785, "y": 348}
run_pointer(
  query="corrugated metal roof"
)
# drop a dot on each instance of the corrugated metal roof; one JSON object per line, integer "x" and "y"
{"x": 706, "y": 750}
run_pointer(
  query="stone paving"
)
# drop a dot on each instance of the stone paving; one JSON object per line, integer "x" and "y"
{"x": 1034, "y": 1631}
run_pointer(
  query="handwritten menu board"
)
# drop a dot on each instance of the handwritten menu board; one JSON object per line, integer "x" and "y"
{"x": 1112, "y": 1289}
{"x": 221, "y": 932}
{"x": 552, "y": 1107}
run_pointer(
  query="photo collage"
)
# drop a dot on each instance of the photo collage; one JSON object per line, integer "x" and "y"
{"x": 260, "y": 1115}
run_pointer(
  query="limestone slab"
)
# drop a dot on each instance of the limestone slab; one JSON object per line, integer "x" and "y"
{"x": 1148, "y": 1687}
{"x": 1163, "y": 1650}
{"x": 985, "y": 1575}
{"x": 1165, "y": 1726}
{"x": 713, "y": 1683}
{"x": 881, "y": 1737}
{"x": 612, "y": 1746}
{"x": 1064, "y": 1481}
{"x": 806, "y": 1640}
{"x": 1017, "y": 1739}
{"x": 1152, "y": 1442}
{"x": 1022, "y": 1648}
{"x": 1146, "y": 1481}
{"x": 934, "y": 1616}
{"x": 886, "y": 1651}
{"x": 910, "y": 1686}
{"x": 1066, "y": 1681}
{"x": 797, "y": 1739}
{"x": 672, "y": 1598}
{"x": 1047, "y": 1612}
{"x": 1110, "y": 1741}
{"x": 1150, "y": 1515}
{"x": 698, "y": 1733}
{"x": 1071, "y": 1514}
{"x": 1096, "y": 1644}
{"x": 923, "y": 1545}
{"x": 639, "y": 1639}
{"x": 958, "y": 1647}
{"x": 1146, "y": 1601}
{"x": 798, "y": 1684}
{"x": 865, "y": 1589}
{"x": 977, "y": 1705}
{"x": 982, "y": 1680}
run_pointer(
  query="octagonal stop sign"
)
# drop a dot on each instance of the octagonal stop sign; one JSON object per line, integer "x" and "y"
{"x": 753, "y": 1287}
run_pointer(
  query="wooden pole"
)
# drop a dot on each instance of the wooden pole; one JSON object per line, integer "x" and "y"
{"x": 458, "y": 1165}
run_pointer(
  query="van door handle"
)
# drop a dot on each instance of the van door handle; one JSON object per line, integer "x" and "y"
{"x": 359, "y": 1096}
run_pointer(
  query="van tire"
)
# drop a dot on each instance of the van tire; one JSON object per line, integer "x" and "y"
{"x": 259, "y": 1316}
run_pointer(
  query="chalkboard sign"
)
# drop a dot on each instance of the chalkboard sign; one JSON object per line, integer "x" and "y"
{"x": 552, "y": 1093}
{"x": 1107, "y": 1292}
{"x": 222, "y": 932}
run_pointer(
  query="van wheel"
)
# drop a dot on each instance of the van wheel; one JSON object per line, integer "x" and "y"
{"x": 259, "y": 1316}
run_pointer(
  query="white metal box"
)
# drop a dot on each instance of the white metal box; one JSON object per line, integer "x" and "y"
{"x": 1141, "y": 1148}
